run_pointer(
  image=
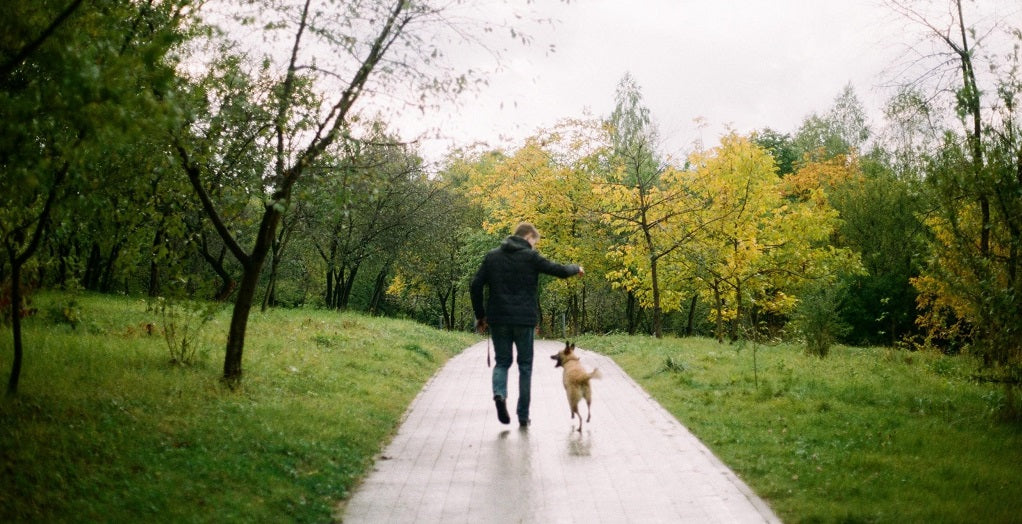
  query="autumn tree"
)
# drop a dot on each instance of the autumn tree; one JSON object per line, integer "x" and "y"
{"x": 646, "y": 203}
{"x": 765, "y": 237}
{"x": 546, "y": 182}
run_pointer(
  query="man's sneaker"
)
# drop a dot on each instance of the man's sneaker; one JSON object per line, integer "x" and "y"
{"x": 502, "y": 415}
{"x": 524, "y": 422}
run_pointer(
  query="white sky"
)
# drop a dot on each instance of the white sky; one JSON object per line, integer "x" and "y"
{"x": 739, "y": 64}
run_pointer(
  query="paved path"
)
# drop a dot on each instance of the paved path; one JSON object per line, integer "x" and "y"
{"x": 452, "y": 461}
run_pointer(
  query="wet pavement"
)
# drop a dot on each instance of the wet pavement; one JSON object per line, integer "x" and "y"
{"x": 452, "y": 461}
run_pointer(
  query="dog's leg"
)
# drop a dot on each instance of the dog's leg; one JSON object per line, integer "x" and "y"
{"x": 588, "y": 392}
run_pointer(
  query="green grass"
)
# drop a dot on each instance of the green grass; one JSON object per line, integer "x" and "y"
{"x": 863, "y": 435}
{"x": 105, "y": 429}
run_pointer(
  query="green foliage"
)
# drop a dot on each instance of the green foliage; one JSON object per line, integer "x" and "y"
{"x": 880, "y": 220}
{"x": 863, "y": 436}
{"x": 843, "y": 129}
{"x": 781, "y": 147}
{"x": 818, "y": 321}
{"x": 104, "y": 430}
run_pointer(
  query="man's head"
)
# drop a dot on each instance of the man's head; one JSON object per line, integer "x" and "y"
{"x": 528, "y": 232}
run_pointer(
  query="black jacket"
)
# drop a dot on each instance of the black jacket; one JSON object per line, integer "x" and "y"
{"x": 511, "y": 272}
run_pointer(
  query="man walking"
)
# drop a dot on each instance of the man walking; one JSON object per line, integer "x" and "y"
{"x": 511, "y": 272}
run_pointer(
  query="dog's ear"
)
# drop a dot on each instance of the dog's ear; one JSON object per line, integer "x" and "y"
{"x": 570, "y": 348}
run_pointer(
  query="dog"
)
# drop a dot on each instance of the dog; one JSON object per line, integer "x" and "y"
{"x": 576, "y": 381}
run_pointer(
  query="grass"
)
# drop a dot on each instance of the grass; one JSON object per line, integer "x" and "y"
{"x": 863, "y": 435}
{"x": 106, "y": 429}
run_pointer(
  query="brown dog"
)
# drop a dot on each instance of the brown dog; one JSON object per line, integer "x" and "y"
{"x": 576, "y": 381}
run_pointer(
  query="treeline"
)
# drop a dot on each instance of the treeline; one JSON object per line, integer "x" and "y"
{"x": 215, "y": 151}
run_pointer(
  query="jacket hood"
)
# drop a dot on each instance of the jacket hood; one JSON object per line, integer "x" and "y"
{"x": 513, "y": 243}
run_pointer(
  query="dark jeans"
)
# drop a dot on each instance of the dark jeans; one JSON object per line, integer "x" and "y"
{"x": 504, "y": 335}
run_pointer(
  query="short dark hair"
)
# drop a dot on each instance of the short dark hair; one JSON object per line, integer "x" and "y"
{"x": 525, "y": 229}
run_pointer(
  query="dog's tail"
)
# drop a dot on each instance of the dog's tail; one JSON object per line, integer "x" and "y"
{"x": 595, "y": 373}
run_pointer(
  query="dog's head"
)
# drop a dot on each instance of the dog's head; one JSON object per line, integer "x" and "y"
{"x": 565, "y": 354}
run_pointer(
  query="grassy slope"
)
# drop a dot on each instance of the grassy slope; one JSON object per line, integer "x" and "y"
{"x": 105, "y": 429}
{"x": 865, "y": 435}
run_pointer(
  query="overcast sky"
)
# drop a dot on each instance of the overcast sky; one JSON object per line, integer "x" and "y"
{"x": 739, "y": 64}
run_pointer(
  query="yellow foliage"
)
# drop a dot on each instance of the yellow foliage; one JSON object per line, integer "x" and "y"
{"x": 548, "y": 182}
{"x": 397, "y": 285}
{"x": 761, "y": 244}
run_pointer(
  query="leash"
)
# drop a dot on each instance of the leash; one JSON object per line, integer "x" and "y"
{"x": 487, "y": 351}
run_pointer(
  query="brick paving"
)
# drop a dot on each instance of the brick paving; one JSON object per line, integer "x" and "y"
{"x": 452, "y": 461}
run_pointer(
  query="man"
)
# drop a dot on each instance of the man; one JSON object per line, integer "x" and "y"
{"x": 511, "y": 272}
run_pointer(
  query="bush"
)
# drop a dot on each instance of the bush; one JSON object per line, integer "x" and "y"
{"x": 183, "y": 322}
{"x": 817, "y": 319}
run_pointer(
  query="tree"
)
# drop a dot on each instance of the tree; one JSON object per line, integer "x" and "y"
{"x": 970, "y": 287}
{"x": 843, "y": 129}
{"x": 73, "y": 78}
{"x": 765, "y": 237}
{"x": 781, "y": 147}
{"x": 333, "y": 59}
{"x": 880, "y": 221}
{"x": 376, "y": 199}
{"x": 431, "y": 277}
{"x": 646, "y": 203}
{"x": 546, "y": 182}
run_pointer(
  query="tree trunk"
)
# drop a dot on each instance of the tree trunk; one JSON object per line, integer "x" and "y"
{"x": 63, "y": 254}
{"x": 719, "y": 331}
{"x": 690, "y": 325}
{"x": 454, "y": 298}
{"x": 328, "y": 297}
{"x": 270, "y": 297}
{"x": 345, "y": 284}
{"x": 91, "y": 279}
{"x": 253, "y": 265}
{"x": 227, "y": 282}
{"x": 17, "y": 262}
{"x": 630, "y": 313}
{"x": 969, "y": 97}
{"x": 658, "y": 314}
{"x": 106, "y": 281}
{"x": 378, "y": 291}
{"x": 154, "y": 266}
{"x": 12, "y": 383}
{"x": 733, "y": 327}
{"x": 583, "y": 311}
{"x": 239, "y": 323}
{"x": 442, "y": 298}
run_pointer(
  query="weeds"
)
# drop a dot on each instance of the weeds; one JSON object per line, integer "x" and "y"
{"x": 184, "y": 322}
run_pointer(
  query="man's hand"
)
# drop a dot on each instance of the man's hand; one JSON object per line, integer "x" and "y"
{"x": 581, "y": 271}
{"x": 481, "y": 326}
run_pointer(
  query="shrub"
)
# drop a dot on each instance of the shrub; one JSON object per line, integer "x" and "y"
{"x": 817, "y": 319}
{"x": 183, "y": 322}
